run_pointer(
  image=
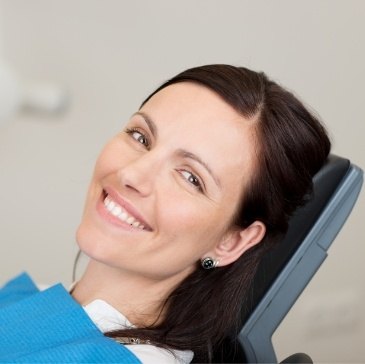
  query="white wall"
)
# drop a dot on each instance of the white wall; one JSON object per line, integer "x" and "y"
{"x": 110, "y": 54}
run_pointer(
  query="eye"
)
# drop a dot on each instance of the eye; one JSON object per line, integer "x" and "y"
{"x": 192, "y": 179}
{"x": 138, "y": 136}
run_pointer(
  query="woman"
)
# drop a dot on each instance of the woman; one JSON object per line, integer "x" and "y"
{"x": 184, "y": 202}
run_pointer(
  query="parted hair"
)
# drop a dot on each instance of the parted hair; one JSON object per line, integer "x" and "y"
{"x": 292, "y": 146}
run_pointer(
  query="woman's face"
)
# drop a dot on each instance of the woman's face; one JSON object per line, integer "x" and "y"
{"x": 171, "y": 180}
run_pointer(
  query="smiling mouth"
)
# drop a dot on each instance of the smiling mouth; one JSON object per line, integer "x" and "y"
{"x": 120, "y": 213}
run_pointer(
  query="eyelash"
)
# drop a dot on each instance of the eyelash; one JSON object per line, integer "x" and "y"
{"x": 197, "y": 184}
{"x": 131, "y": 131}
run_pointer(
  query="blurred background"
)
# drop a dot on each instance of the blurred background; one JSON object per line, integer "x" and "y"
{"x": 75, "y": 70}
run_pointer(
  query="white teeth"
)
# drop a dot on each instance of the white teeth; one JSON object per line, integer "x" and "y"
{"x": 116, "y": 210}
{"x": 130, "y": 220}
{"x": 121, "y": 214}
{"x": 111, "y": 205}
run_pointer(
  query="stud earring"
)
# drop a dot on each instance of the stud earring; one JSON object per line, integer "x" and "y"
{"x": 209, "y": 263}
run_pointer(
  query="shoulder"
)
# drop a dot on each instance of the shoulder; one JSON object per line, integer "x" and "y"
{"x": 107, "y": 318}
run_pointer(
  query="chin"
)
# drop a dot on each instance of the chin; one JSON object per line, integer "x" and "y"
{"x": 94, "y": 245}
{"x": 86, "y": 241}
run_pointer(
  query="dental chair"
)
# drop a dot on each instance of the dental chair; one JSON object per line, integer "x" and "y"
{"x": 285, "y": 271}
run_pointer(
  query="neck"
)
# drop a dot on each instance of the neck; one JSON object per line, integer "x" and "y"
{"x": 140, "y": 299}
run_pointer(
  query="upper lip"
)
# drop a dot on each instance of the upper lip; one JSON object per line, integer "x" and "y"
{"x": 127, "y": 206}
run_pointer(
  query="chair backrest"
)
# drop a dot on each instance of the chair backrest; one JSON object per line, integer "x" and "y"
{"x": 286, "y": 270}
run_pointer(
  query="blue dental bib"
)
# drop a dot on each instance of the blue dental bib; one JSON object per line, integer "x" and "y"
{"x": 51, "y": 327}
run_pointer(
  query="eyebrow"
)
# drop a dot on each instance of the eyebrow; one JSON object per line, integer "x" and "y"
{"x": 184, "y": 153}
{"x": 148, "y": 121}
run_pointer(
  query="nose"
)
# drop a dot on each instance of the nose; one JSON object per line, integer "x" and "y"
{"x": 140, "y": 174}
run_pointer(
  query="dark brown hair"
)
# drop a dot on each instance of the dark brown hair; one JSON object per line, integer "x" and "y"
{"x": 292, "y": 146}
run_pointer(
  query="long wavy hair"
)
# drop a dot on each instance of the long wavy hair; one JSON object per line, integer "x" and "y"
{"x": 209, "y": 305}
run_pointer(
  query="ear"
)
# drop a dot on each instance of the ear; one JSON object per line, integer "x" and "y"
{"x": 237, "y": 241}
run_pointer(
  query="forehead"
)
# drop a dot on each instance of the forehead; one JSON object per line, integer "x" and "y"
{"x": 188, "y": 100}
{"x": 193, "y": 117}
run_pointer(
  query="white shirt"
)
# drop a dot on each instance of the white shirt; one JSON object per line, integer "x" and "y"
{"x": 107, "y": 318}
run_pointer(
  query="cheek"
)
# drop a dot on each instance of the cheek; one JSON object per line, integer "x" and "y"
{"x": 106, "y": 161}
{"x": 184, "y": 218}
{"x": 114, "y": 155}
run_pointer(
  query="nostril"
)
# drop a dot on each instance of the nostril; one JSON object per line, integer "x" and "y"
{"x": 131, "y": 187}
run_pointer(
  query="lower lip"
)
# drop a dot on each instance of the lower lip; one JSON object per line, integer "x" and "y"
{"x": 111, "y": 219}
